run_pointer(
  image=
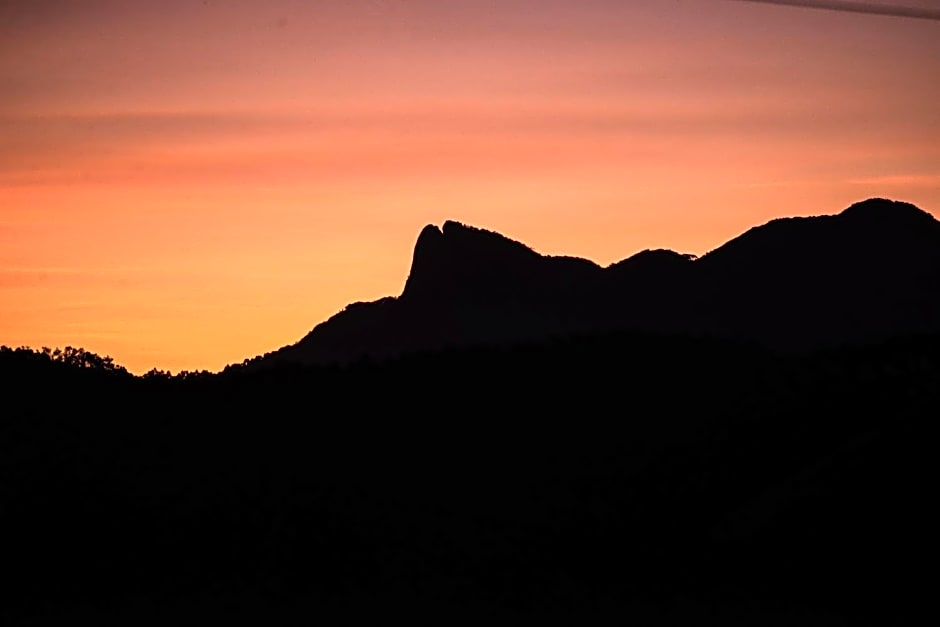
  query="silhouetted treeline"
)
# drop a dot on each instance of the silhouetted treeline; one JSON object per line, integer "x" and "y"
{"x": 664, "y": 479}
{"x": 69, "y": 356}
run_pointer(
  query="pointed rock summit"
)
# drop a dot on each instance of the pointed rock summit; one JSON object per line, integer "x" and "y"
{"x": 426, "y": 261}
{"x": 460, "y": 261}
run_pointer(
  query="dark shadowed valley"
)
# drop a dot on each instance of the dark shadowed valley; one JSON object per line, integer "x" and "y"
{"x": 736, "y": 439}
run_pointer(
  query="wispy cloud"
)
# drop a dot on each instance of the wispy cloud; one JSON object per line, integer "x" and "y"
{"x": 281, "y": 146}
{"x": 907, "y": 180}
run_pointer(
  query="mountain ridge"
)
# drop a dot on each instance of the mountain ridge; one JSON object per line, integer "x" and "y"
{"x": 865, "y": 274}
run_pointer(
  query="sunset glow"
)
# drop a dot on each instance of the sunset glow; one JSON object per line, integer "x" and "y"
{"x": 186, "y": 184}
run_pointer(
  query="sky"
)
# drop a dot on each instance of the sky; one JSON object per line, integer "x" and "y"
{"x": 185, "y": 184}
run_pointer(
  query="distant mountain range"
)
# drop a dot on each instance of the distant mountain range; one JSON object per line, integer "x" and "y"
{"x": 627, "y": 470}
{"x": 870, "y": 273}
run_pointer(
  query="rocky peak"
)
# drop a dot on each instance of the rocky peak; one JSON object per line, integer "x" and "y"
{"x": 457, "y": 259}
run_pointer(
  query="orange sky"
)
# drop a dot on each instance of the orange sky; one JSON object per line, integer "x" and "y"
{"x": 184, "y": 184}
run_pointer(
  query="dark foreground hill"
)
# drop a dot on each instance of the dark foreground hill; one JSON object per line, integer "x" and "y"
{"x": 865, "y": 275}
{"x": 601, "y": 479}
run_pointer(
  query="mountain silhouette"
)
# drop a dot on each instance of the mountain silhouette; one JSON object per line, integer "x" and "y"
{"x": 624, "y": 444}
{"x": 870, "y": 273}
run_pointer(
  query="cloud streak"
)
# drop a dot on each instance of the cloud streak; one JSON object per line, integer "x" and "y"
{"x": 868, "y": 8}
